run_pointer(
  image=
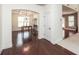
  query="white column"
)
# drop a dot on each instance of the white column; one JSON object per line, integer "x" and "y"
{"x": 0, "y": 28}
{"x": 53, "y": 23}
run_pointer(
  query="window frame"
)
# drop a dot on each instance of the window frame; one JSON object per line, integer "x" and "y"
{"x": 23, "y": 21}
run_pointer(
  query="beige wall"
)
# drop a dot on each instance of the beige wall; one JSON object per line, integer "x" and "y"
{"x": 78, "y": 19}
{"x": 14, "y": 22}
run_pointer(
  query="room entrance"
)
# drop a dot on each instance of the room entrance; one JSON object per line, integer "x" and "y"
{"x": 24, "y": 26}
{"x": 69, "y": 22}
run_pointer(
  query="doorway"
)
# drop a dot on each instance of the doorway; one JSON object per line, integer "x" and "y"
{"x": 24, "y": 26}
{"x": 69, "y": 22}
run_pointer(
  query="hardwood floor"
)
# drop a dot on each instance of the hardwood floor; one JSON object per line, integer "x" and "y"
{"x": 36, "y": 47}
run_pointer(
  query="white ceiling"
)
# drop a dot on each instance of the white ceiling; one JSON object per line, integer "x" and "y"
{"x": 67, "y": 10}
{"x": 24, "y": 12}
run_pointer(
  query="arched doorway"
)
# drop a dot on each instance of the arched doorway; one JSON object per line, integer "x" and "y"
{"x": 24, "y": 25}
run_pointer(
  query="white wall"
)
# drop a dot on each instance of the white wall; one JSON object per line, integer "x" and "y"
{"x": 53, "y": 21}
{"x": 0, "y": 28}
{"x": 7, "y": 21}
{"x": 49, "y": 17}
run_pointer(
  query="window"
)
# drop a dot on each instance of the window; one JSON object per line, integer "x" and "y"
{"x": 63, "y": 22}
{"x": 23, "y": 21}
{"x": 63, "y": 25}
{"x": 71, "y": 21}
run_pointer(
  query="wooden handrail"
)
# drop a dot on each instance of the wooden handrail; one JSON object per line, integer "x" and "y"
{"x": 26, "y": 28}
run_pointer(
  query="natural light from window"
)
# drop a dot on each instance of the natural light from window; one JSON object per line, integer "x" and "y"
{"x": 63, "y": 22}
{"x": 23, "y": 21}
{"x": 71, "y": 21}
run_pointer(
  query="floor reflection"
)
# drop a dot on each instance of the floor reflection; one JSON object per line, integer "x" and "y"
{"x": 26, "y": 35}
{"x": 21, "y": 36}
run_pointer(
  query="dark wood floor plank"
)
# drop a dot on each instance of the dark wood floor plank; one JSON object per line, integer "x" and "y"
{"x": 36, "y": 47}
